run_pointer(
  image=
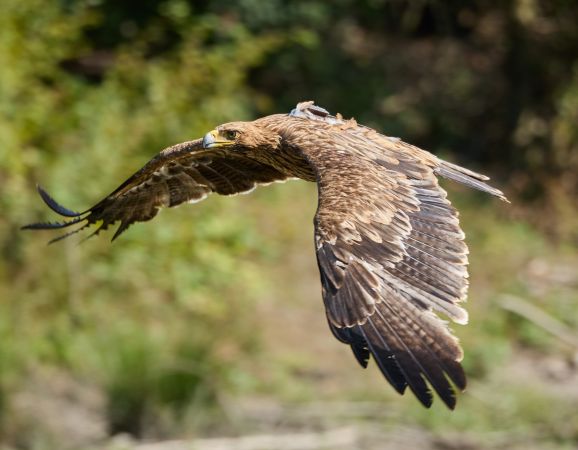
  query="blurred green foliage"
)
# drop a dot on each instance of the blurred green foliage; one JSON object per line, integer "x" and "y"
{"x": 91, "y": 89}
{"x": 138, "y": 321}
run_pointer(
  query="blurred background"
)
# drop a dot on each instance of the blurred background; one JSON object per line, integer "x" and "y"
{"x": 205, "y": 328}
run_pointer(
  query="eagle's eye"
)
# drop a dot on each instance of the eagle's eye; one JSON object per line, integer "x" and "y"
{"x": 230, "y": 135}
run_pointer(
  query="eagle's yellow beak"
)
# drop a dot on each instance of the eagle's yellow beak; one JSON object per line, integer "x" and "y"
{"x": 214, "y": 139}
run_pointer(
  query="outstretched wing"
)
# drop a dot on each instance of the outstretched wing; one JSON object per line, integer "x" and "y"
{"x": 391, "y": 252}
{"x": 183, "y": 173}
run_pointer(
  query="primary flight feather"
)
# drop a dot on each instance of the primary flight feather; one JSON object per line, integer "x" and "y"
{"x": 389, "y": 247}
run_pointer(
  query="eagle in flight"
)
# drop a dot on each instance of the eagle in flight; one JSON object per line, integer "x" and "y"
{"x": 389, "y": 246}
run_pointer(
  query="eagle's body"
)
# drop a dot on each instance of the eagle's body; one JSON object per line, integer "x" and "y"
{"x": 388, "y": 242}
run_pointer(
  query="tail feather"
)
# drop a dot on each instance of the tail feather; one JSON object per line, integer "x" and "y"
{"x": 468, "y": 178}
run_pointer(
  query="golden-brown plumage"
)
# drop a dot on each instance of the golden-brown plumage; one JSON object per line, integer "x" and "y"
{"x": 389, "y": 246}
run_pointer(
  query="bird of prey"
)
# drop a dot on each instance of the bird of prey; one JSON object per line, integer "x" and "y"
{"x": 389, "y": 246}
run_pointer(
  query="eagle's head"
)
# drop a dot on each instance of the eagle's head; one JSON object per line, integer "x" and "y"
{"x": 242, "y": 137}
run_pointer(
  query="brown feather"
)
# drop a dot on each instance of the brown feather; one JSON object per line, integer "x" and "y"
{"x": 389, "y": 246}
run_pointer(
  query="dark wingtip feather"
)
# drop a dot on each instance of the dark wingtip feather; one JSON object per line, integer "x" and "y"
{"x": 424, "y": 396}
{"x": 354, "y": 340}
{"x": 59, "y": 209}
{"x": 51, "y": 225}
{"x": 70, "y": 233}
{"x": 101, "y": 226}
{"x": 387, "y": 363}
{"x": 121, "y": 229}
{"x": 451, "y": 404}
{"x": 457, "y": 376}
{"x": 449, "y": 398}
{"x": 361, "y": 355}
{"x": 54, "y": 205}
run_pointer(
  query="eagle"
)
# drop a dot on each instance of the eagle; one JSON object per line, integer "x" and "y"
{"x": 389, "y": 246}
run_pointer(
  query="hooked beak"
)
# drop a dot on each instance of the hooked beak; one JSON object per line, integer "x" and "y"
{"x": 210, "y": 139}
{"x": 214, "y": 139}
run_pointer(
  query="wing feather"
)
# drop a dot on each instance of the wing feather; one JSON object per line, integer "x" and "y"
{"x": 391, "y": 253}
{"x": 183, "y": 173}
{"x": 390, "y": 249}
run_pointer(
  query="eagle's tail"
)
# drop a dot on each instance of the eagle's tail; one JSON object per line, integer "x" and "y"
{"x": 468, "y": 177}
